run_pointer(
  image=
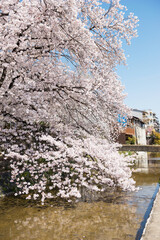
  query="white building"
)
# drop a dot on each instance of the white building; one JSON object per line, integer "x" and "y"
{"x": 148, "y": 117}
{"x": 140, "y": 131}
{"x": 151, "y": 119}
{"x": 137, "y": 113}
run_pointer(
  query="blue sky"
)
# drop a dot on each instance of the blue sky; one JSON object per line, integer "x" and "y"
{"x": 141, "y": 76}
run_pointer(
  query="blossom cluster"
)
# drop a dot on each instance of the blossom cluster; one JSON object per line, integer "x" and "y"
{"x": 57, "y": 61}
{"x": 57, "y": 65}
{"x": 62, "y": 168}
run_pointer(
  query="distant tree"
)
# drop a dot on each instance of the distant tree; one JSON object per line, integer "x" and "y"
{"x": 156, "y": 138}
{"x": 57, "y": 66}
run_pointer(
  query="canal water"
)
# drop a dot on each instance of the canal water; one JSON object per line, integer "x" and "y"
{"x": 115, "y": 216}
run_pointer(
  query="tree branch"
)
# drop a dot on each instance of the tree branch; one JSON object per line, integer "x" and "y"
{"x": 3, "y": 76}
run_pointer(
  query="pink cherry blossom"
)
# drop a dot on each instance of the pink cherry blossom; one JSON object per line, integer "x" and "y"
{"x": 60, "y": 96}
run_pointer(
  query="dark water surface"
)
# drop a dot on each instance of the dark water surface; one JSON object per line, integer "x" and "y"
{"x": 115, "y": 217}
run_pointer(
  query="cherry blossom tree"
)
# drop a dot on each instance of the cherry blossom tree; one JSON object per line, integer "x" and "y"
{"x": 57, "y": 66}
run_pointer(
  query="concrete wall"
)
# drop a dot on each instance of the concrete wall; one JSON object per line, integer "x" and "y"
{"x": 142, "y": 148}
{"x": 140, "y": 135}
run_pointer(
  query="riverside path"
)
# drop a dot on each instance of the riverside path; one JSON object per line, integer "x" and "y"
{"x": 152, "y": 229}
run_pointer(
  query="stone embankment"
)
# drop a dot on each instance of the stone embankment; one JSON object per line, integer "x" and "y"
{"x": 142, "y": 148}
{"x": 152, "y": 230}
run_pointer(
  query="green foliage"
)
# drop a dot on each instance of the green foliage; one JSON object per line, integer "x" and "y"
{"x": 41, "y": 160}
{"x": 131, "y": 140}
{"x": 157, "y": 142}
{"x": 156, "y": 138}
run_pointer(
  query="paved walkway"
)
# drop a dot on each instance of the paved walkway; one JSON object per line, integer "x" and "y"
{"x": 152, "y": 231}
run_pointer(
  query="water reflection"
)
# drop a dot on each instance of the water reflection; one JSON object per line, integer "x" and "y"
{"x": 155, "y": 155}
{"x": 92, "y": 221}
{"x": 146, "y": 161}
{"x": 142, "y": 162}
{"x": 154, "y": 159}
{"x": 115, "y": 216}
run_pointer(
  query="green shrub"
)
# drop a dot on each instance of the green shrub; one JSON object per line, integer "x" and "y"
{"x": 131, "y": 140}
{"x": 156, "y": 138}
